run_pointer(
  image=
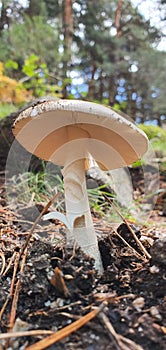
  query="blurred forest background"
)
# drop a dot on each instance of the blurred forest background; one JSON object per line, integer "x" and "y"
{"x": 105, "y": 51}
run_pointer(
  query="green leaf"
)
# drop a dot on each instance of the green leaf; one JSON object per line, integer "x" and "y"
{"x": 11, "y": 64}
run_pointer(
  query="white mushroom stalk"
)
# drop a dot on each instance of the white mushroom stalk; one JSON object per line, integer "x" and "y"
{"x": 78, "y": 219}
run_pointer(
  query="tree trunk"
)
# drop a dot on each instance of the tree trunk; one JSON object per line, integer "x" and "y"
{"x": 112, "y": 88}
{"x": 117, "y": 19}
{"x": 91, "y": 88}
{"x": 67, "y": 31}
{"x": 101, "y": 87}
{"x": 68, "y": 23}
{"x": 4, "y": 19}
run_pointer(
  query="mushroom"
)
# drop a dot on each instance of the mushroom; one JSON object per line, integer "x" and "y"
{"x": 71, "y": 133}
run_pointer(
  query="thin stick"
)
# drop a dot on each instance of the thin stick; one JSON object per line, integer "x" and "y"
{"x": 11, "y": 287}
{"x": 74, "y": 251}
{"x": 9, "y": 264}
{"x": 22, "y": 250}
{"x": 36, "y": 222}
{"x": 4, "y": 307}
{"x": 3, "y": 263}
{"x": 111, "y": 298}
{"x": 66, "y": 331}
{"x": 121, "y": 342}
{"x": 128, "y": 245}
{"x": 129, "y": 227}
{"x": 16, "y": 294}
{"x": 25, "y": 334}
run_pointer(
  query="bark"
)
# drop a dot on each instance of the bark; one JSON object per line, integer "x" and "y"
{"x": 117, "y": 19}
{"x": 67, "y": 30}
{"x": 112, "y": 90}
{"x": 68, "y": 23}
{"x": 4, "y": 19}
{"x": 101, "y": 87}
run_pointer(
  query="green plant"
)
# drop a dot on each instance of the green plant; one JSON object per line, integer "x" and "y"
{"x": 12, "y": 91}
{"x": 37, "y": 76}
{"x": 6, "y": 109}
{"x": 97, "y": 201}
{"x": 159, "y": 147}
{"x": 153, "y": 131}
{"x": 138, "y": 163}
{"x": 10, "y": 65}
{"x": 39, "y": 186}
{"x": 157, "y": 137}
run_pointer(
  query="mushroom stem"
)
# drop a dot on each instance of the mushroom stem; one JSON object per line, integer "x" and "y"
{"x": 78, "y": 215}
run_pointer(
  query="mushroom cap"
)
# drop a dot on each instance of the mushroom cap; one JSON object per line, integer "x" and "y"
{"x": 62, "y": 131}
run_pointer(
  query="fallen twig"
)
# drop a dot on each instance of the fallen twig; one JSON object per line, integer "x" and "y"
{"x": 36, "y": 222}
{"x": 129, "y": 227}
{"x": 53, "y": 310}
{"x": 3, "y": 263}
{"x": 111, "y": 297}
{"x": 66, "y": 331}
{"x": 16, "y": 294}
{"x": 9, "y": 264}
{"x": 24, "y": 334}
{"x": 120, "y": 342}
{"x": 129, "y": 246}
{"x": 11, "y": 287}
{"x": 18, "y": 257}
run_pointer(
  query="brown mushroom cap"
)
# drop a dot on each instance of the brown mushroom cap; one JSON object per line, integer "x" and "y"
{"x": 65, "y": 130}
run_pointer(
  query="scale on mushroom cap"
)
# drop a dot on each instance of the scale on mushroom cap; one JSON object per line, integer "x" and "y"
{"x": 70, "y": 133}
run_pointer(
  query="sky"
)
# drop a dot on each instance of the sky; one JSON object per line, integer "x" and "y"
{"x": 149, "y": 9}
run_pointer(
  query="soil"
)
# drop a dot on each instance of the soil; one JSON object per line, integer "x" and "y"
{"x": 51, "y": 285}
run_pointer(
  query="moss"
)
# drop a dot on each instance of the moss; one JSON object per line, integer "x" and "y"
{"x": 153, "y": 132}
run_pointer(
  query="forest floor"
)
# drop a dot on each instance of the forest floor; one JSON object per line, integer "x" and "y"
{"x": 55, "y": 299}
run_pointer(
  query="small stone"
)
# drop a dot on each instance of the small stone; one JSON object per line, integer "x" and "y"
{"x": 68, "y": 277}
{"x": 139, "y": 303}
{"x": 21, "y": 325}
{"x": 131, "y": 331}
{"x": 148, "y": 241}
{"x": 140, "y": 329}
{"x": 155, "y": 313}
{"x": 57, "y": 303}
{"x": 154, "y": 269}
{"x": 47, "y": 303}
